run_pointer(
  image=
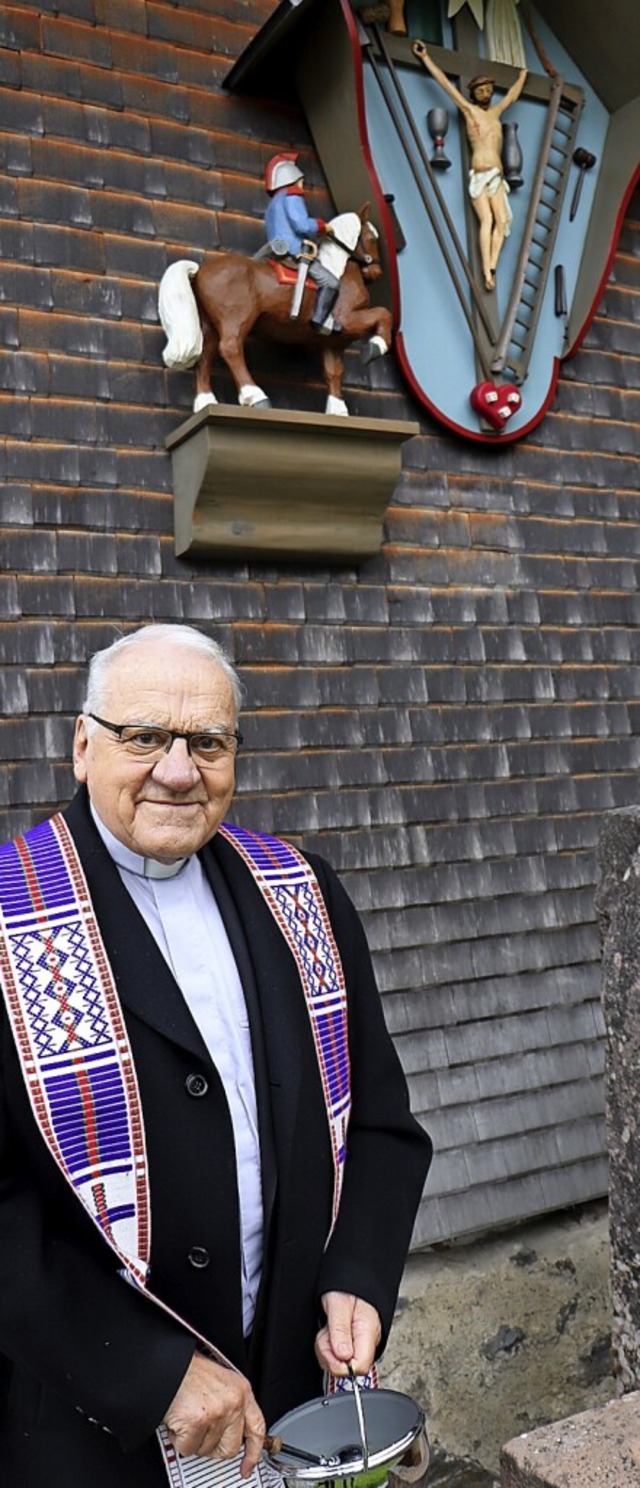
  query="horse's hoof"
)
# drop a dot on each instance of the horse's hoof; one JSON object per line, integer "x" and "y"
{"x": 336, "y": 406}
{"x": 203, "y": 400}
{"x": 252, "y": 396}
{"x": 376, "y": 347}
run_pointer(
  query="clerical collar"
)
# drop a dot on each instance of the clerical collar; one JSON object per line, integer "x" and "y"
{"x": 132, "y": 861}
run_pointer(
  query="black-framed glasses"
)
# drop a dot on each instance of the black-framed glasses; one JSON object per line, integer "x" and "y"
{"x": 149, "y": 741}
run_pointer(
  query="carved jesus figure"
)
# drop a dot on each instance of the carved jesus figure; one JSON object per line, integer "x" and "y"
{"x": 487, "y": 187}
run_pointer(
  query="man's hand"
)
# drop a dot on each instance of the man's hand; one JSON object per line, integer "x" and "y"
{"x": 350, "y": 1336}
{"x": 214, "y": 1413}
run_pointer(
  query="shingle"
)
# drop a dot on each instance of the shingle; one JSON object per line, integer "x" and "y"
{"x": 63, "y": 38}
{"x": 265, "y": 643}
{"x": 18, "y": 505}
{"x": 125, "y": 131}
{"x": 55, "y": 202}
{"x": 61, "y": 689}
{"x": 55, "y": 419}
{"x": 30, "y": 551}
{"x": 15, "y": 155}
{"x": 25, "y": 285}
{"x": 75, "y": 377}
{"x": 43, "y": 461}
{"x": 82, "y": 296}
{"x": 10, "y": 69}
{"x": 125, "y": 255}
{"x": 21, "y": 112}
{"x": 50, "y": 596}
{"x": 68, "y": 247}
{"x": 121, "y": 14}
{"x": 200, "y": 147}
{"x": 142, "y": 95}
{"x": 9, "y": 327}
{"x": 148, "y": 471}
{"x": 15, "y": 418}
{"x": 129, "y": 383}
{"x": 46, "y": 74}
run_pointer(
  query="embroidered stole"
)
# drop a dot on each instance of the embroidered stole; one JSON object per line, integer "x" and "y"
{"x": 76, "y": 1060}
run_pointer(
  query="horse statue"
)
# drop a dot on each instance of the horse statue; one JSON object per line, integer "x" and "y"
{"x": 209, "y": 309}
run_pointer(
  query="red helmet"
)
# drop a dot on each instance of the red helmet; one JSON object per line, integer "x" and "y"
{"x": 282, "y": 170}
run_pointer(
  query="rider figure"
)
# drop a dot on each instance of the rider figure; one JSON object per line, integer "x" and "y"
{"x": 287, "y": 218}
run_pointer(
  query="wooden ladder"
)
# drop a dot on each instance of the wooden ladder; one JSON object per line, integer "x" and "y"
{"x": 516, "y": 336}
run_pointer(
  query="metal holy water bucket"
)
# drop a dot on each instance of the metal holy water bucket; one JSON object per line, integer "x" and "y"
{"x": 361, "y": 1439}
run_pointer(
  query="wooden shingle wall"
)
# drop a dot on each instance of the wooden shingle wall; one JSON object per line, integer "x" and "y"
{"x": 445, "y": 723}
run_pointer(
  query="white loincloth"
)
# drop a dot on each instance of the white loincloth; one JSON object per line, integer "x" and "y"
{"x": 490, "y": 182}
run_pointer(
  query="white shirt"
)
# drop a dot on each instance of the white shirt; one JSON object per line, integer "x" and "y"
{"x": 181, "y": 912}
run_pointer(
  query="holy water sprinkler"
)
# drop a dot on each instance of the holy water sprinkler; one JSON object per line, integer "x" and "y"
{"x": 584, "y": 161}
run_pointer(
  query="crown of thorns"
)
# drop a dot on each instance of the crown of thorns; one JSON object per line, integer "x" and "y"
{"x": 477, "y": 82}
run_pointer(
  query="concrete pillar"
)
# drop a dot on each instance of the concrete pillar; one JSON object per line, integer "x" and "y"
{"x": 597, "y": 1449}
{"x": 618, "y": 908}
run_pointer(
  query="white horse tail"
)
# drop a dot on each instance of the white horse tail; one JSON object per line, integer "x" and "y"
{"x": 179, "y": 316}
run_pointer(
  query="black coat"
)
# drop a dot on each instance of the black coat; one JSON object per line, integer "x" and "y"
{"x": 86, "y": 1350}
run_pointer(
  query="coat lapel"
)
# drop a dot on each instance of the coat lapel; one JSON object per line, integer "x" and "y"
{"x": 280, "y": 1004}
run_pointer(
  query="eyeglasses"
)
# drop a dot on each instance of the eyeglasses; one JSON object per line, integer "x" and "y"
{"x": 147, "y": 741}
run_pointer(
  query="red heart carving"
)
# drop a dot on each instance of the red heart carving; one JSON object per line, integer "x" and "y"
{"x": 495, "y": 404}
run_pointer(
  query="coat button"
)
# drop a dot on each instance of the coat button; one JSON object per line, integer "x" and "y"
{"x": 199, "y": 1257}
{"x": 196, "y": 1085}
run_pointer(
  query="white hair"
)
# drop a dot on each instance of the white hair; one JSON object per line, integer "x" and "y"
{"x": 169, "y": 635}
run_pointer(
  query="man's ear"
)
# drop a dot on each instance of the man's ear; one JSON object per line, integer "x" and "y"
{"x": 80, "y": 742}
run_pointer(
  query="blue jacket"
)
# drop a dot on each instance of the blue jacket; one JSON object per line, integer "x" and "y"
{"x": 287, "y": 217}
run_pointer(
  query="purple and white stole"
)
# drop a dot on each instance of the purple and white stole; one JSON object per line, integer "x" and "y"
{"x": 76, "y": 1060}
{"x": 290, "y": 889}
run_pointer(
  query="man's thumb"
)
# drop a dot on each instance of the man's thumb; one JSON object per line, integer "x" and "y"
{"x": 340, "y": 1320}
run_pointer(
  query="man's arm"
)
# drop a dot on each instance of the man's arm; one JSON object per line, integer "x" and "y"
{"x": 513, "y": 93}
{"x": 298, "y": 216}
{"x": 421, "y": 52}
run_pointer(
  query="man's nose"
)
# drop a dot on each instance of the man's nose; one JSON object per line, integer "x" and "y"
{"x": 176, "y": 769}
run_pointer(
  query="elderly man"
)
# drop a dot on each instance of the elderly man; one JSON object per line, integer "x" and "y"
{"x": 208, "y": 1168}
{"x": 487, "y": 187}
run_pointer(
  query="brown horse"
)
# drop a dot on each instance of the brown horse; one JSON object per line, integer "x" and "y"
{"x": 209, "y": 310}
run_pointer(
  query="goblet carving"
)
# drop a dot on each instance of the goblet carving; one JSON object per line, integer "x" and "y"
{"x": 438, "y": 124}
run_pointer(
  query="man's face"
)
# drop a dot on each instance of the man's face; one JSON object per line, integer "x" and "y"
{"x": 482, "y": 95}
{"x": 168, "y": 808}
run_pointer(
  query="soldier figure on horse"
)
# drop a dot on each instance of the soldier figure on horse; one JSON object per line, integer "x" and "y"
{"x": 287, "y": 221}
{"x": 208, "y": 309}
